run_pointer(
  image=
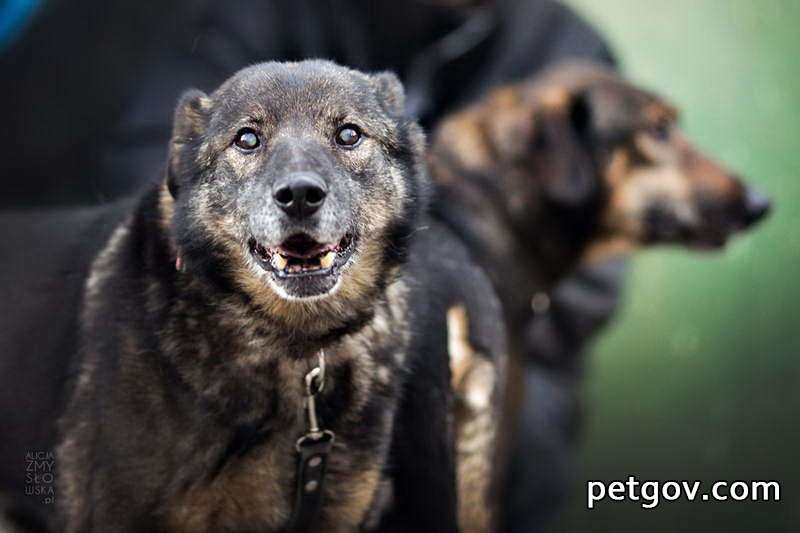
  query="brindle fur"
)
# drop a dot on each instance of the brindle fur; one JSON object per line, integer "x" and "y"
{"x": 189, "y": 397}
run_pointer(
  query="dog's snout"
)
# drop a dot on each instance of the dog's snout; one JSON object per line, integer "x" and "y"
{"x": 756, "y": 206}
{"x": 300, "y": 195}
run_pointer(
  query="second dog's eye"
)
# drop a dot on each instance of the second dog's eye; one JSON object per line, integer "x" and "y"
{"x": 348, "y": 135}
{"x": 661, "y": 131}
{"x": 247, "y": 139}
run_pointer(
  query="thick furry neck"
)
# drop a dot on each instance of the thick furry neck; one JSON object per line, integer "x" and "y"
{"x": 211, "y": 338}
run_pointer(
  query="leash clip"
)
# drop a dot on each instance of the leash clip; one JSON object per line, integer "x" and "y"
{"x": 312, "y": 457}
{"x": 315, "y": 384}
{"x": 315, "y": 437}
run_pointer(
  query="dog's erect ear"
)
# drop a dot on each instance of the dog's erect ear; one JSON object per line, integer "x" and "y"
{"x": 190, "y": 123}
{"x": 392, "y": 93}
{"x": 616, "y": 113}
{"x": 563, "y": 129}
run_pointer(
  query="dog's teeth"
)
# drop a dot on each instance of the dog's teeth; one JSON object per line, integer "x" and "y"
{"x": 279, "y": 262}
{"x": 326, "y": 261}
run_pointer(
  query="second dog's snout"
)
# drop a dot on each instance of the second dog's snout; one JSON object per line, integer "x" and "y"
{"x": 300, "y": 195}
{"x": 757, "y": 206}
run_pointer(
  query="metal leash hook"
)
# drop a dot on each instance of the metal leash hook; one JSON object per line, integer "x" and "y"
{"x": 315, "y": 383}
{"x": 312, "y": 460}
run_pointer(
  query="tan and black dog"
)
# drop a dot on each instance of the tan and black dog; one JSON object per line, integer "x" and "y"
{"x": 574, "y": 166}
{"x": 577, "y": 165}
{"x": 290, "y": 230}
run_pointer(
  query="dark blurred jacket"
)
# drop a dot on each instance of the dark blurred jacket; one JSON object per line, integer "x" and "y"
{"x": 87, "y": 99}
{"x": 89, "y": 88}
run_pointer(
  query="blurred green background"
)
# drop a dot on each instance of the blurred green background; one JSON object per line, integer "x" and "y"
{"x": 699, "y": 377}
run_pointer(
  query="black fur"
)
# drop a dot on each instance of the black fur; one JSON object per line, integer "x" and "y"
{"x": 182, "y": 377}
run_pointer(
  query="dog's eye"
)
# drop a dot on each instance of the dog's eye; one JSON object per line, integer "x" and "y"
{"x": 348, "y": 135}
{"x": 247, "y": 139}
{"x": 661, "y": 131}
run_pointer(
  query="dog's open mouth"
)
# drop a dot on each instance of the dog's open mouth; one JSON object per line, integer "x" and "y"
{"x": 300, "y": 255}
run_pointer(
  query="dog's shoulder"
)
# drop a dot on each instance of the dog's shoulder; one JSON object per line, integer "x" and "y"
{"x": 448, "y": 274}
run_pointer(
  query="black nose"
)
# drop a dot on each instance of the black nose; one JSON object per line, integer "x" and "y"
{"x": 756, "y": 207}
{"x": 300, "y": 195}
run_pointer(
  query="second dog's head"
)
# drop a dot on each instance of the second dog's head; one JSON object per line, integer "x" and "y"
{"x": 587, "y": 150}
{"x": 296, "y": 182}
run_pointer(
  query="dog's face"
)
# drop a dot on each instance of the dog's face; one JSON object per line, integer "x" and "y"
{"x": 294, "y": 177}
{"x": 661, "y": 188}
{"x": 650, "y": 184}
{"x": 581, "y": 146}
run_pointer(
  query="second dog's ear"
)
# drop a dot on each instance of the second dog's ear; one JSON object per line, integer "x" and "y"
{"x": 563, "y": 130}
{"x": 391, "y": 91}
{"x": 190, "y": 123}
{"x": 615, "y": 113}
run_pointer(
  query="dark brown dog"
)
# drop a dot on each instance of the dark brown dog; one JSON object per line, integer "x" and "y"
{"x": 575, "y": 166}
{"x": 290, "y": 231}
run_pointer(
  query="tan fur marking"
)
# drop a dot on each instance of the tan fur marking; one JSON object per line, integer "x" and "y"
{"x": 474, "y": 382}
{"x": 246, "y": 491}
{"x": 659, "y": 110}
{"x": 461, "y": 353}
{"x": 634, "y": 189}
{"x": 466, "y": 137}
{"x": 554, "y": 99}
{"x": 352, "y": 511}
{"x": 603, "y": 250}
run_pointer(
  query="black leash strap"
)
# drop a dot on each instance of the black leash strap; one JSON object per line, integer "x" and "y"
{"x": 313, "y": 449}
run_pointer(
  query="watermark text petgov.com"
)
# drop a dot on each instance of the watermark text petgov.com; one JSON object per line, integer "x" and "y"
{"x": 652, "y": 493}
